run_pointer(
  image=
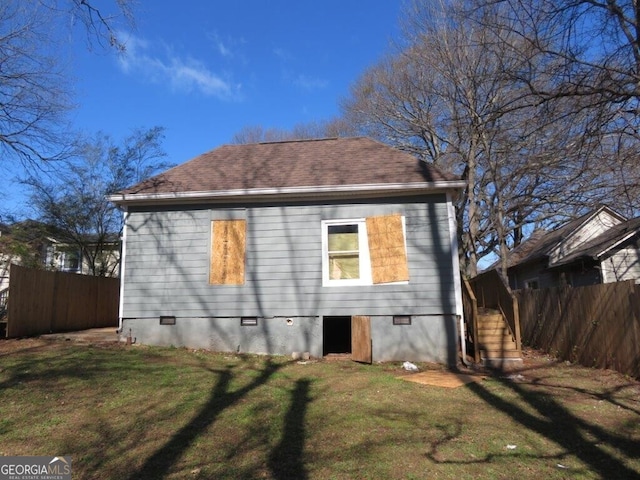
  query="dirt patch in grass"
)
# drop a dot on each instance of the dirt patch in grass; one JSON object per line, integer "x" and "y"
{"x": 144, "y": 412}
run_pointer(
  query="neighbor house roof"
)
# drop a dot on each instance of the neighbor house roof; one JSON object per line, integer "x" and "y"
{"x": 292, "y": 167}
{"x": 603, "y": 243}
{"x": 541, "y": 243}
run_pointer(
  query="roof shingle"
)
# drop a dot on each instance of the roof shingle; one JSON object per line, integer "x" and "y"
{"x": 304, "y": 163}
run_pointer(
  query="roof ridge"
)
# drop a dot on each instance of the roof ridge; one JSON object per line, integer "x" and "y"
{"x": 294, "y": 140}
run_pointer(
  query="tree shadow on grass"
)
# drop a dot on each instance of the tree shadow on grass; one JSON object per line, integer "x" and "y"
{"x": 586, "y": 441}
{"x": 159, "y": 464}
{"x": 285, "y": 460}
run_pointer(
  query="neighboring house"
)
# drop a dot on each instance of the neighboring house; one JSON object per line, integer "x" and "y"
{"x": 599, "y": 247}
{"x": 321, "y": 246}
{"x": 33, "y": 244}
{"x": 66, "y": 257}
{"x": 21, "y": 243}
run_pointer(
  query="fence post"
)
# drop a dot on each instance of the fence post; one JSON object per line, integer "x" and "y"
{"x": 53, "y": 319}
{"x": 635, "y": 319}
{"x": 516, "y": 319}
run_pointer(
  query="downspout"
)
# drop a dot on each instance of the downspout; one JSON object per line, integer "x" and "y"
{"x": 457, "y": 281}
{"x": 123, "y": 251}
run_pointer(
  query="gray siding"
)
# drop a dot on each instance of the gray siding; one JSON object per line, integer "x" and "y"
{"x": 519, "y": 275}
{"x": 168, "y": 254}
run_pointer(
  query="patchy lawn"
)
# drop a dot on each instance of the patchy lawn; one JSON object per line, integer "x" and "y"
{"x": 150, "y": 413}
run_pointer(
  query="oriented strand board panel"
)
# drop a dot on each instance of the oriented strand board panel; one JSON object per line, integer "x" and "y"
{"x": 439, "y": 378}
{"x": 361, "y": 348}
{"x": 387, "y": 249}
{"x": 228, "y": 252}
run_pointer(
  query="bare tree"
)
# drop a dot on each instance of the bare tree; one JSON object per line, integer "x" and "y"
{"x": 588, "y": 47}
{"x": 588, "y": 56}
{"x": 71, "y": 195}
{"x": 34, "y": 100}
{"x": 321, "y": 129}
{"x": 100, "y": 25}
{"x": 449, "y": 97}
{"x": 34, "y": 88}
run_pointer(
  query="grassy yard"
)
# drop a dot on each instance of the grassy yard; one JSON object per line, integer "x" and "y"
{"x": 137, "y": 412}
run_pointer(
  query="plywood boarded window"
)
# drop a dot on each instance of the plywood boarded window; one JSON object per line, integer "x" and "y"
{"x": 229, "y": 238}
{"x": 387, "y": 249}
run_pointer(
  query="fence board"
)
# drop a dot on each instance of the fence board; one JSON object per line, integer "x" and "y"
{"x": 35, "y": 316}
{"x": 596, "y": 326}
{"x": 45, "y": 302}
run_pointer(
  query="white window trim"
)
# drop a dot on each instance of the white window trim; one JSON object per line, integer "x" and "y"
{"x": 70, "y": 255}
{"x": 363, "y": 247}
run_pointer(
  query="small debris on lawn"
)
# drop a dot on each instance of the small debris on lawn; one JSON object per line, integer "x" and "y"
{"x": 409, "y": 367}
{"x": 511, "y": 447}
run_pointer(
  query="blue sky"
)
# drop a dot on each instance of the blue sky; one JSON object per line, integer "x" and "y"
{"x": 204, "y": 69}
{"x": 208, "y": 68}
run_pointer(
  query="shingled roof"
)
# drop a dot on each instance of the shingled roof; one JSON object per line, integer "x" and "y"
{"x": 601, "y": 244}
{"x": 278, "y": 166}
{"x": 541, "y": 243}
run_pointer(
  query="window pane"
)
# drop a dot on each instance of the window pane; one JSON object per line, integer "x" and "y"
{"x": 343, "y": 238}
{"x": 71, "y": 261}
{"x": 344, "y": 266}
{"x": 344, "y": 257}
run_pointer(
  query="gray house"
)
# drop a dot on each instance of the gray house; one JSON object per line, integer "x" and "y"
{"x": 602, "y": 246}
{"x": 340, "y": 245}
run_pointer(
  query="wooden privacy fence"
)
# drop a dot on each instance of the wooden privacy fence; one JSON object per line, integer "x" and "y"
{"x": 596, "y": 326}
{"x": 44, "y": 302}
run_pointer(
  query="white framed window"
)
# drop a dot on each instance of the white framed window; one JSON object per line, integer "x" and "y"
{"x": 70, "y": 261}
{"x": 345, "y": 257}
{"x": 364, "y": 251}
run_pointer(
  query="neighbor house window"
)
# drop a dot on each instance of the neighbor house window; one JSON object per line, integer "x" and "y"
{"x": 364, "y": 251}
{"x": 70, "y": 261}
{"x": 531, "y": 284}
{"x": 228, "y": 245}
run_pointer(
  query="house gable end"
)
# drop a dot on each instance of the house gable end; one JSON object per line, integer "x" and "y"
{"x": 596, "y": 224}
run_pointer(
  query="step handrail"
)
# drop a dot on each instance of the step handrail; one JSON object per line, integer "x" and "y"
{"x": 470, "y": 309}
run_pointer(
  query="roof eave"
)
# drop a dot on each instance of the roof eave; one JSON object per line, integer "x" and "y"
{"x": 571, "y": 260}
{"x": 327, "y": 192}
{"x": 614, "y": 244}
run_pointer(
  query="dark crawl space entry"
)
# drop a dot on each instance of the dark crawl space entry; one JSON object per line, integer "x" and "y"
{"x": 336, "y": 335}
